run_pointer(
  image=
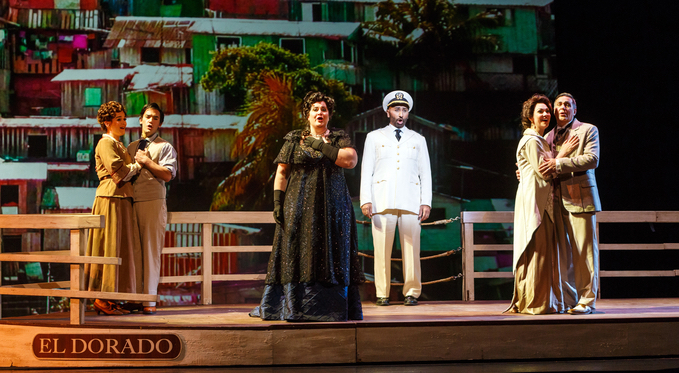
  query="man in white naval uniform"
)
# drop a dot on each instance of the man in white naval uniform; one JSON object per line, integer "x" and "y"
{"x": 396, "y": 190}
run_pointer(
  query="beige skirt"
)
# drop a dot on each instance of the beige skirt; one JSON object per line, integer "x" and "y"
{"x": 538, "y": 279}
{"x": 114, "y": 240}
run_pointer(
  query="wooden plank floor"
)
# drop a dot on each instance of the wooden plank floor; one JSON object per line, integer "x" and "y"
{"x": 236, "y": 316}
{"x": 456, "y": 331}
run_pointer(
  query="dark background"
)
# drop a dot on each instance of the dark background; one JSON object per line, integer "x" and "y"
{"x": 619, "y": 59}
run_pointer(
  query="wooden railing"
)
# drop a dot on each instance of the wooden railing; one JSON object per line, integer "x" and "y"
{"x": 75, "y": 256}
{"x": 469, "y": 218}
{"x": 207, "y": 219}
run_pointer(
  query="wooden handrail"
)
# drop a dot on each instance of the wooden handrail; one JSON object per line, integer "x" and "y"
{"x": 78, "y": 224}
{"x": 469, "y": 218}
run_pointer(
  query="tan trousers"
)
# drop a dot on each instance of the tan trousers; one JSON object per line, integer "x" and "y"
{"x": 149, "y": 238}
{"x": 578, "y": 232}
{"x": 383, "y": 229}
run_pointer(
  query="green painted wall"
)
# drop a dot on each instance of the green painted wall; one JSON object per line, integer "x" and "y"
{"x": 518, "y": 36}
{"x": 203, "y": 49}
{"x": 157, "y": 8}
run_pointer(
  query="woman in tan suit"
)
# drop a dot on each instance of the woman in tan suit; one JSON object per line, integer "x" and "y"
{"x": 539, "y": 266}
{"x": 113, "y": 200}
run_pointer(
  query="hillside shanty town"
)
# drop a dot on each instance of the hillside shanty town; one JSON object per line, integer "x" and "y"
{"x": 61, "y": 59}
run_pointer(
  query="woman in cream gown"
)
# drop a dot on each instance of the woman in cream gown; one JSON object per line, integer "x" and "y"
{"x": 540, "y": 267}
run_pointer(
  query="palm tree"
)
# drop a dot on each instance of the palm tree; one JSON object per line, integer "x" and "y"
{"x": 268, "y": 82}
{"x": 273, "y": 113}
{"x": 428, "y": 37}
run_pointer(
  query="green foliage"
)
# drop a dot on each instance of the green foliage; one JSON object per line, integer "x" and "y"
{"x": 270, "y": 83}
{"x": 429, "y": 36}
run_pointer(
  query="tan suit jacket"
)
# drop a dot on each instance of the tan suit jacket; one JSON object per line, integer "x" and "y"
{"x": 578, "y": 185}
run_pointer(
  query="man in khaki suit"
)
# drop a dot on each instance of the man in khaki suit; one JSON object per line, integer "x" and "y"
{"x": 575, "y": 187}
{"x": 159, "y": 165}
{"x": 396, "y": 189}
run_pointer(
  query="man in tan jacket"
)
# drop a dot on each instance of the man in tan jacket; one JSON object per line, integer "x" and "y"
{"x": 575, "y": 187}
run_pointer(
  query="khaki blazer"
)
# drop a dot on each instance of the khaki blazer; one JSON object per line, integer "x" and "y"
{"x": 112, "y": 164}
{"x": 578, "y": 185}
{"x": 395, "y": 174}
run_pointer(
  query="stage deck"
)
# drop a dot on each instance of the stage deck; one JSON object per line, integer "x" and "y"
{"x": 224, "y": 335}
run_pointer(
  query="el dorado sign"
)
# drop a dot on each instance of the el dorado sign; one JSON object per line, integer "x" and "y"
{"x": 107, "y": 346}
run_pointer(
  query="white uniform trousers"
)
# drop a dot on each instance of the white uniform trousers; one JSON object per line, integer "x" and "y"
{"x": 383, "y": 229}
{"x": 579, "y": 233}
{"x": 149, "y": 240}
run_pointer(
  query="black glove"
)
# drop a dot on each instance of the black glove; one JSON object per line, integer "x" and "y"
{"x": 278, "y": 198}
{"x": 327, "y": 149}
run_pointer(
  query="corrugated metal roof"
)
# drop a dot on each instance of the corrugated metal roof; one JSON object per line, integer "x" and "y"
{"x": 193, "y": 121}
{"x": 70, "y": 75}
{"x": 23, "y": 171}
{"x": 202, "y": 121}
{"x": 145, "y": 31}
{"x": 150, "y": 32}
{"x": 149, "y": 77}
{"x": 64, "y": 19}
{"x": 71, "y": 198}
{"x": 144, "y": 77}
{"x": 227, "y": 26}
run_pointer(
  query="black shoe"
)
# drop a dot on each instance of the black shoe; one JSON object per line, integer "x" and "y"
{"x": 382, "y": 302}
{"x": 132, "y": 307}
{"x": 410, "y": 301}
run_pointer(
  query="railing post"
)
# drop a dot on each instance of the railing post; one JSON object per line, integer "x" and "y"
{"x": 468, "y": 261}
{"x": 207, "y": 263}
{"x": 0, "y": 273}
{"x": 78, "y": 247}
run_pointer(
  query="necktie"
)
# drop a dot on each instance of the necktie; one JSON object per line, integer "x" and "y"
{"x": 559, "y": 135}
{"x": 143, "y": 143}
{"x": 398, "y": 135}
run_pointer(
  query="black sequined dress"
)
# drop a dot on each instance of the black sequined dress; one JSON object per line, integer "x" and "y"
{"x": 314, "y": 269}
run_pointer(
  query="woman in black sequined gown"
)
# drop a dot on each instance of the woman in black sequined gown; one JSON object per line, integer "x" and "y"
{"x": 314, "y": 270}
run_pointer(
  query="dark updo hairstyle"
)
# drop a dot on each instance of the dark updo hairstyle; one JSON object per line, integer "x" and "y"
{"x": 313, "y": 97}
{"x": 529, "y": 108}
{"x": 108, "y": 111}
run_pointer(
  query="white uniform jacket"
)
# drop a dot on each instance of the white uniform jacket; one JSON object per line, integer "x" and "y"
{"x": 395, "y": 174}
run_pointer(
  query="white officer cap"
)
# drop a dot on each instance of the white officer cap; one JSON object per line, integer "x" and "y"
{"x": 397, "y": 97}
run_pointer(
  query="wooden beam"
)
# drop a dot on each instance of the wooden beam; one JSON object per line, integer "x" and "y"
{"x": 242, "y": 249}
{"x": 79, "y": 294}
{"x": 78, "y": 248}
{"x": 500, "y": 247}
{"x": 182, "y": 250}
{"x": 487, "y": 217}
{"x": 207, "y": 264}
{"x": 626, "y": 216}
{"x": 52, "y": 221}
{"x": 239, "y": 277}
{"x": 175, "y": 279}
{"x": 220, "y": 217}
{"x": 47, "y": 258}
{"x": 668, "y": 273}
{"x": 493, "y": 275}
{"x": 638, "y": 246}
{"x": 43, "y": 285}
